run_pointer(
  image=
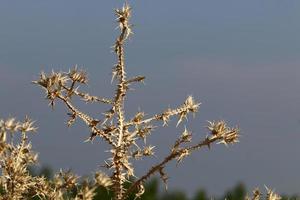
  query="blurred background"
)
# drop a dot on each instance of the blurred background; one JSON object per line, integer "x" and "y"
{"x": 240, "y": 59}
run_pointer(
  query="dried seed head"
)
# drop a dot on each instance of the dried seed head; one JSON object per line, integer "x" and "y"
{"x": 191, "y": 104}
{"x": 78, "y": 75}
{"x": 217, "y": 128}
{"x": 231, "y": 136}
{"x": 27, "y": 126}
{"x": 52, "y": 81}
{"x": 138, "y": 117}
{"x": 66, "y": 179}
{"x": 271, "y": 195}
{"x": 256, "y": 194}
{"x": 144, "y": 131}
{"x": 123, "y": 16}
{"x": 11, "y": 125}
{"x": 226, "y": 134}
{"x": 87, "y": 192}
{"x": 186, "y": 136}
{"x": 137, "y": 154}
{"x": 53, "y": 84}
{"x": 103, "y": 180}
{"x": 188, "y": 106}
{"x": 148, "y": 151}
{"x": 184, "y": 153}
{"x": 165, "y": 116}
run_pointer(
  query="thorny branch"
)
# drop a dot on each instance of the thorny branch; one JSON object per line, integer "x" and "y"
{"x": 219, "y": 131}
{"x": 123, "y": 135}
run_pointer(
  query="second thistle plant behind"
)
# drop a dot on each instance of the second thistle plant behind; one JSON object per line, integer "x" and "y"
{"x": 127, "y": 136}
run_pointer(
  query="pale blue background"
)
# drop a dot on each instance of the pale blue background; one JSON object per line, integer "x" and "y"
{"x": 239, "y": 58}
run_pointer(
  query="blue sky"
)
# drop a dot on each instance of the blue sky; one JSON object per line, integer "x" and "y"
{"x": 239, "y": 58}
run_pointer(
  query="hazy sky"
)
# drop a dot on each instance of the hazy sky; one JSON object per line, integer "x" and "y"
{"x": 241, "y": 59}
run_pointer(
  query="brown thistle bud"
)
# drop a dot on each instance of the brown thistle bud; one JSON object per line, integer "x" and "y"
{"x": 123, "y": 16}
{"x": 11, "y": 125}
{"x": 27, "y": 126}
{"x": 256, "y": 194}
{"x": 221, "y": 131}
{"x": 217, "y": 128}
{"x": 103, "y": 180}
{"x": 87, "y": 192}
{"x": 148, "y": 151}
{"x": 138, "y": 117}
{"x": 231, "y": 136}
{"x": 191, "y": 104}
{"x": 66, "y": 179}
{"x": 271, "y": 195}
{"x": 186, "y": 136}
{"x": 144, "y": 131}
{"x": 78, "y": 75}
{"x": 183, "y": 153}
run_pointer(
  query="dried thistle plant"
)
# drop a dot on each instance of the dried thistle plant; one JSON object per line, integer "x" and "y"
{"x": 127, "y": 137}
{"x": 16, "y": 156}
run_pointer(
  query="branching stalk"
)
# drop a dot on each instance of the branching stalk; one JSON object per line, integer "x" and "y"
{"x": 127, "y": 138}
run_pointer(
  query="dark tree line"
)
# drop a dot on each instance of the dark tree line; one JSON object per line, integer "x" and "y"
{"x": 152, "y": 191}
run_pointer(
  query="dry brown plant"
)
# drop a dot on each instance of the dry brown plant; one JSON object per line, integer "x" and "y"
{"x": 126, "y": 137}
{"x": 15, "y": 158}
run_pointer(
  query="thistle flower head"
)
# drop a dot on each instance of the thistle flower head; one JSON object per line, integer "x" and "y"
{"x": 138, "y": 117}
{"x": 148, "y": 151}
{"x": 123, "y": 16}
{"x": 87, "y": 191}
{"x": 186, "y": 136}
{"x": 103, "y": 180}
{"x": 27, "y": 126}
{"x": 66, "y": 179}
{"x": 52, "y": 81}
{"x": 217, "y": 128}
{"x": 221, "y": 131}
{"x": 271, "y": 195}
{"x": 191, "y": 104}
{"x": 78, "y": 75}
{"x": 10, "y": 124}
{"x": 184, "y": 153}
